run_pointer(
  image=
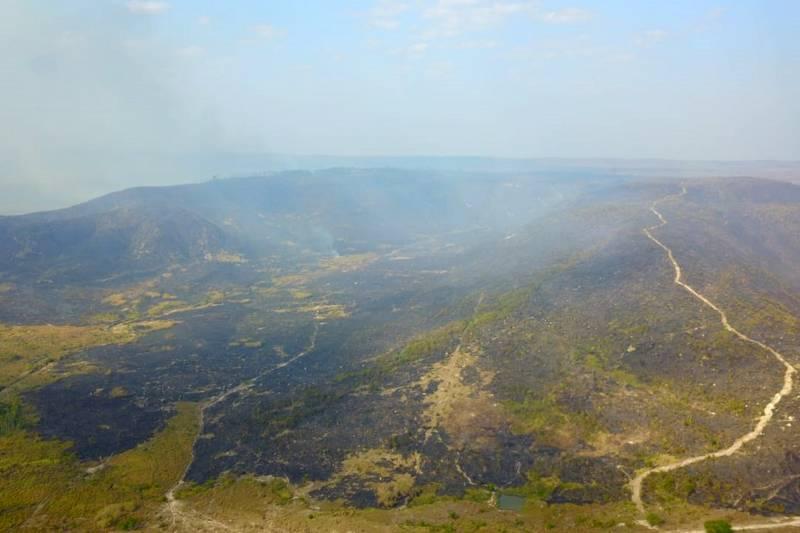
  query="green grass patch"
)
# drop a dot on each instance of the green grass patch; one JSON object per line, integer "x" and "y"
{"x": 12, "y": 417}
{"x": 37, "y": 472}
{"x": 654, "y": 519}
{"x": 718, "y": 526}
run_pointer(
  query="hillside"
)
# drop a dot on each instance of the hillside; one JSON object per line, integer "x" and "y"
{"x": 398, "y": 350}
{"x": 283, "y": 215}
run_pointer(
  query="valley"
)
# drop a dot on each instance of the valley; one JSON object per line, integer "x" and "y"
{"x": 395, "y": 266}
{"x": 338, "y": 351}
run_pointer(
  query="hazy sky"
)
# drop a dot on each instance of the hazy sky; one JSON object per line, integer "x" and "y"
{"x": 102, "y": 92}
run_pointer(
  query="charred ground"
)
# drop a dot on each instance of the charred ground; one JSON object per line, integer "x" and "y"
{"x": 523, "y": 338}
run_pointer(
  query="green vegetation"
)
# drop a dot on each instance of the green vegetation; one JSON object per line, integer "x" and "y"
{"x": 676, "y": 486}
{"x": 502, "y": 307}
{"x": 430, "y": 527}
{"x": 478, "y": 494}
{"x": 11, "y": 417}
{"x": 248, "y": 497}
{"x": 654, "y": 519}
{"x": 546, "y": 418}
{"x": 266, "y": 490}
{"x": 597, "y": 357}
{"x": 718, "y": 526}
{"x": 546, "y": 360}
{"x": 429, "y": 494}
{"x": 426, "y": 495}
{"x": 33, "y": 471}
{"x": 436, "y": 342}
{"x": 671, "y": 486}
{"x": 535, "y": 414}
{"x": 121, "y": 494}
{"x": 539, "y": 487}
{"x": 190, "y": 489}
{"x": 240, "y": 502}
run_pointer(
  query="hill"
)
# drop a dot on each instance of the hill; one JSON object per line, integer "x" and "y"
{"x": 398, "y": 350}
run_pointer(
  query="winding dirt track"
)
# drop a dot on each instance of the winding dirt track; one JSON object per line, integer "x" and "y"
{"x": 769, "y": 409}
{"x": 192, "y": 519}
{"x": 197, "y": 521}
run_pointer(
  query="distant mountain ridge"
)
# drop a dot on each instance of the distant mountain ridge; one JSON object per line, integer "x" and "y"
{"x": 335, "y": 211}
{"x": 98, "y": 244}
{"x": 117, "y": 171}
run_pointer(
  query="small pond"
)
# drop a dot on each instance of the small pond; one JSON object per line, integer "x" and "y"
{"x": 509, "y": 502}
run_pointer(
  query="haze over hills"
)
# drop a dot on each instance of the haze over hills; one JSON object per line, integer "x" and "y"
{"x": 430, "y": 344}
{"x": 333, "y": 211}
{"x": 377, "y": 266}
{"x": 188, "y": 167}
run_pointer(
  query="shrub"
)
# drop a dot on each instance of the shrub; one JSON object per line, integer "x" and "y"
{"x": 128, "y": 523}
{"x": 718, "y": 526}
{"x": 654, "y": 520}
{"x": 11, "y": 417}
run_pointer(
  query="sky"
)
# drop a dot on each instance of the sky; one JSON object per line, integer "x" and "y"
{"x": 101, "y": 94}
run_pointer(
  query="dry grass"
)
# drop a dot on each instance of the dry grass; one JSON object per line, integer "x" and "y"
{"x": 117, "y": 299}
{"x": 27, "y": 350}
{"x": 390, "y": 475}
{"x": 379, "y": 462}
{"x": 291, "y": 279}
{"x": 391, "y": 492}
{"x": 465, "y": 410}
{"x": 348, "y": 263}
{"x": 24, "y": 349}
{"x": 300, "y": 294}
{"x": 324, "y": 311}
